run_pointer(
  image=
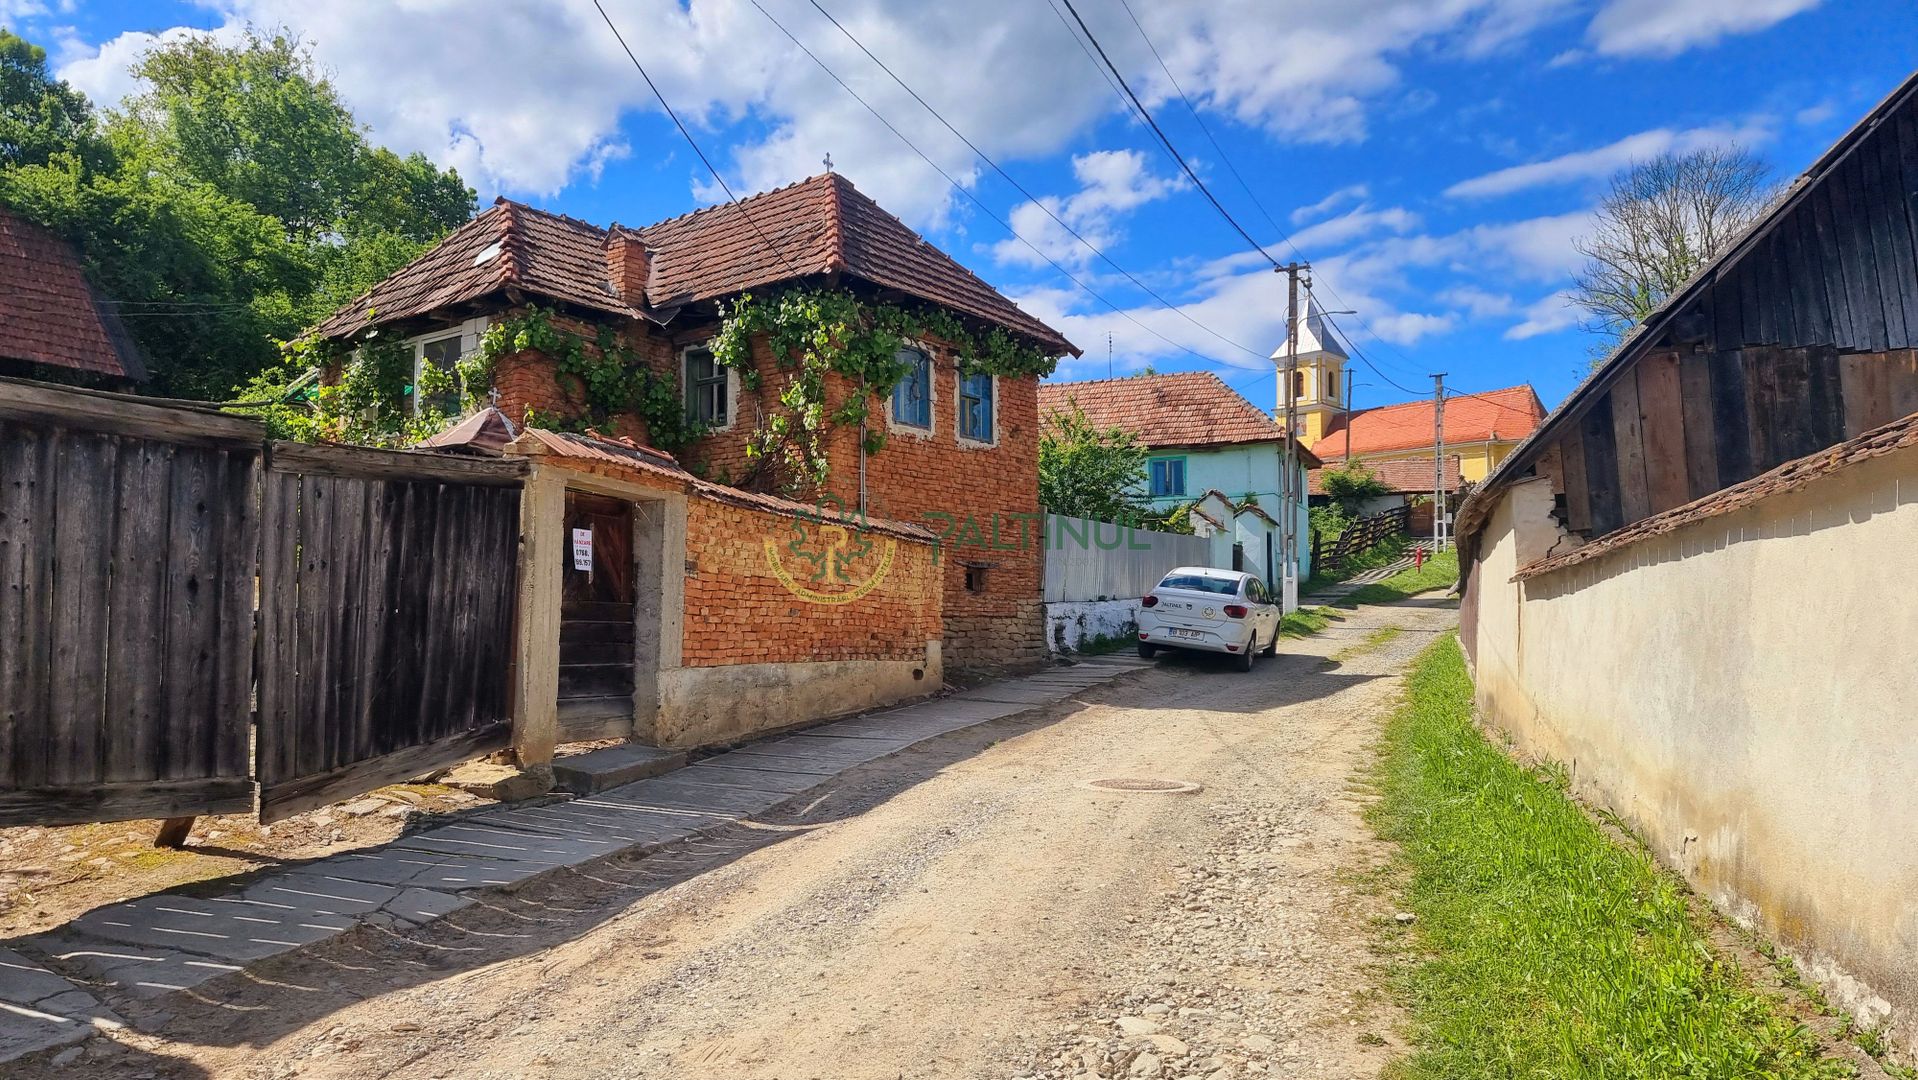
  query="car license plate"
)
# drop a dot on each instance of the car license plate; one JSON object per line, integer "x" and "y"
{"x": 1178, "y": 633}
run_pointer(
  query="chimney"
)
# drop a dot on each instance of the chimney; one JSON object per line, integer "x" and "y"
{"x": 627, "y": 265}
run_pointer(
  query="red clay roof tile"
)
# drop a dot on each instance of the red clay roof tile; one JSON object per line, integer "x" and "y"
{"x": 1188, "y": 408}
{"x": 49, "y": 313}
{"x": 1409, "y": 476}
{"x": 1507, "y": 415}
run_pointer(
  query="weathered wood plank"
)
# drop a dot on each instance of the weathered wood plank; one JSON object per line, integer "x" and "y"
{"x": 1865, "y": 384}
{"x": 279, "y": 638}
{"x": 192, "y": 613}
{"x": 1701, "y": 441}
{"x": 1765, "y": 431}
{"x": 82, "y": 569}
{"x": 346, "y": 607}
{"x": 1813, "y": 314}
{"x": 27, "y": 499}
{"x": 1903, "y": 368}
{"x": 307, "y": 792}
{"x": 1838, "y": 293}
{"x": 1601, "y": 466}
{"x": 1661, "y": 403}
{"x": 142, "y": 800}
{"x": 1731, "y": 417}
{"x": 1877, "y": 202}
{"x": 1898, "y": 277}
{"x": 1578, "y": 496}
{"x": 363, "y": 463}
{"x": 239, "y": 527}
{"x": 314, "y": 624}
{"x": 48, "y": 406}
{"x": 377, "y": 566}
{"x": 136, "y": 628}
{"x": 1849, "y": 214}
{"x": 1824, "y": 398}
{"x": 1628, "y": 433}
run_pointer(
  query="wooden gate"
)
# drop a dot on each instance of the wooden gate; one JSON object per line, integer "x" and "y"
{"x": 596, "y": 634}
{"x": 388, "y": 596}
{"x": 128, "y": 537}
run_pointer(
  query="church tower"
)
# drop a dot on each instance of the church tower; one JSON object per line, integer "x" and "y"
{"x": 1319, "y": 389}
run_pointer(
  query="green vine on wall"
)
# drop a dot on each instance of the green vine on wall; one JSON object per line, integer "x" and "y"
{"x": 612, "y": 378}
{"x": 372, "y": 400}
{"x": 814, "y": 333}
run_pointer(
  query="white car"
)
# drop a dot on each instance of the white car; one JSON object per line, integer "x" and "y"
{"x": 1207, "y": 610}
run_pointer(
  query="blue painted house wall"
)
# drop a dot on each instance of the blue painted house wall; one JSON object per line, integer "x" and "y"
{"x": 1238, "y": 470}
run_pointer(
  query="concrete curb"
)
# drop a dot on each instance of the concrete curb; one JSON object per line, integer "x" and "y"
{"x": 166, "y": 943}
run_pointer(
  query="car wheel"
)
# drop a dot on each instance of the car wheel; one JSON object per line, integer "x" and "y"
{"x": 1250, "y": 652}
{"x": 1147, "y": 652}
{"x": 1272, "y": 647}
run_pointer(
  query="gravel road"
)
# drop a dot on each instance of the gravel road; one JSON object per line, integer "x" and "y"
{"x": 970, "y": 908}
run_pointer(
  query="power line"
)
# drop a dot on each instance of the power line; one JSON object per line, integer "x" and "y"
{"x": 995, "y": 166}
{"x": 690, "y": 141}
{"x": 980, "y": 204}
{"x": 1160, "y": 132}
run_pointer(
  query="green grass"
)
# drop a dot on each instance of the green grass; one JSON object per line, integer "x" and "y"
{"x": 1543, "y": 949}
{"x": 1372, "y": 641}
{"x": 1305, "y": 622}
{"x": 1439, "y": 572}
{"x": 1379, "y": 554}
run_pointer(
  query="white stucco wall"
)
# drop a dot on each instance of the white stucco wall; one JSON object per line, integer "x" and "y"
{"x": 1237, "y": 471}
{"x": 1744, "y": 691}
{"x": 1070, "y": 623}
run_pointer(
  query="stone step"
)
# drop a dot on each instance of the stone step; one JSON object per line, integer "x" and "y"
{"x": 612, "y": 766}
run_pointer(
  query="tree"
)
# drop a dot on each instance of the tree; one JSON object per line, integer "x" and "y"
{"x": 1091, "y": 472}
{"x": 234, "y": 203}
{"x": 39, "y": 115}
{"x": 1660, "y": 223}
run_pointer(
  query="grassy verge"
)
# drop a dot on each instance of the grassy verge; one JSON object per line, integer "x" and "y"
{"x": 1545, "y": 949}
{"x": 1371, "y": 558}
{"x": 1305, "y": 622}
{"x": 1439, "y": 572}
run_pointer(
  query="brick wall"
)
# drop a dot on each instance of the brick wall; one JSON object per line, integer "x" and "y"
{"x": 739, "y": 611}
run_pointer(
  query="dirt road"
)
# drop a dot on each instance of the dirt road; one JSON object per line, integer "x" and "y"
{"x": 967, "y": 909}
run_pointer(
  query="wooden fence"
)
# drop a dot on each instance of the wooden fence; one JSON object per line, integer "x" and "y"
{"x": 131, "y": 565}
{"x": 1362, "y": 535}
{"x": 386, "y": 618}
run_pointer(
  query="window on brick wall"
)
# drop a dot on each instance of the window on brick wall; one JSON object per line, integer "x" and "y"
{"x": 708, "y": 389}
{"x": 975, "y": 579}
{"x": 442, "y": 354}
{"x": 912, "y": 398}
{"x": 975, "y": 408}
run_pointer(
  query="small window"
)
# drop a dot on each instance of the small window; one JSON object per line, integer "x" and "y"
{"x": 705, "y": 389}
{"x": 1332, "y": 385}
{"x": 1298, "y": 382}
{"x": 975, "y": 579}
{"x": 442, "y": 355}
{"x": 912, "y": 398}
{"x": 1167, "y": 477}
{"x": 975, "y": 407}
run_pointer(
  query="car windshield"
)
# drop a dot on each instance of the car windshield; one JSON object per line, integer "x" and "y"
{"x": 1224, "y": 586}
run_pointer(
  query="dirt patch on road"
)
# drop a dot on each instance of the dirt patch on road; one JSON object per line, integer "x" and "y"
{"x": 968, "y": 908}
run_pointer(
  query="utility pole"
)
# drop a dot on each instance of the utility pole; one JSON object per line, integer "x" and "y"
{"x": 1438, "y": 463}
{"x": 1289, "y": 478}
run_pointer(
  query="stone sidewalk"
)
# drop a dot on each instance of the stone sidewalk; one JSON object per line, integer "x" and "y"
{"x": 52, "y": 985}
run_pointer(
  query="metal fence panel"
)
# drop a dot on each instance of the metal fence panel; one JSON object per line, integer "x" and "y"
{"x": 1093, "y": 560}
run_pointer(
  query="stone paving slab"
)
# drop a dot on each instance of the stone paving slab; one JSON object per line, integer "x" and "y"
{"x": 162, "y": 944}
{"x": 40, "y": 1010}
{"x": 137, "y": 970}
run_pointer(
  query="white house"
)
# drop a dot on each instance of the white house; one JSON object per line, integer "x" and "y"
{"x": 1212, "y": 451}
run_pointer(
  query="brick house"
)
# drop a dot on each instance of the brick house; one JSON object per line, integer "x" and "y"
{"x": 961, "y": 452}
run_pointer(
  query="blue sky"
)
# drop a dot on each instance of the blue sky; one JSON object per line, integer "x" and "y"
{"x": 1433, "y": 159}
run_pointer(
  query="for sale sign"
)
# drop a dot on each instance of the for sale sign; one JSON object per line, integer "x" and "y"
{"x": 583, "y": 549}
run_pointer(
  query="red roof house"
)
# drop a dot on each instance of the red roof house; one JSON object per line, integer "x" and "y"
{"x": 1184, "y": 409}
{"x": 50, "y": 315}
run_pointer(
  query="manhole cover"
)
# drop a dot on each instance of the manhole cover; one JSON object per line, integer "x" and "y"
{"x": 1144, "y": 784}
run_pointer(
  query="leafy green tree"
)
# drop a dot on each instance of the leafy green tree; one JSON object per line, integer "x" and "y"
{"x": 39, "y": 115}
{"x": 1351, "y": 484}
{"x": 1091, "y": 472}
{"x": 232, "y": 204}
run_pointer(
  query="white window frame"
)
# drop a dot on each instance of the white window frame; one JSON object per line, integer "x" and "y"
{"x": 732, "y": 384}
{"x": 932, "y": 396}
{"x": 469, "y": 333}
{"x": 959, "y": 409}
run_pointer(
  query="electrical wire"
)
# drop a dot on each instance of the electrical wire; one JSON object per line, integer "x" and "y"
{"x": 983, "y": 208}
{"x": 997, "y": 168}
{"x": 692, "y": 142}
{"x": 1163, "y": 139}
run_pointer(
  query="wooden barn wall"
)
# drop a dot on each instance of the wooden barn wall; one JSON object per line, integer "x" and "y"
{"x": 1808, "y": 339}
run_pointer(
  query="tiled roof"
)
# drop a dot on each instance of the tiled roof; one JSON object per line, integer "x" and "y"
{"x": 49, "y": 313}
{"x": 819, "y": 226}
{"x": 1408, "y": 476}
{"x": 1507, "y": 415}
{"x": 1189, "y": 408}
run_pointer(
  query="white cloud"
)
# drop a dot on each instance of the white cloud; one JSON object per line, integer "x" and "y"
{"x": 1608, "y": 159}
{"x": 1478, "y": 303}
{"x": 1351, "y": 193}
{"x": 1113, "y": 183}
{"x": 1546, "y": 316}
{"x": 529, "y": 97}
{"x": 1669, "y": 27}
{"x": 1363, "y": 221}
